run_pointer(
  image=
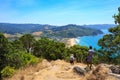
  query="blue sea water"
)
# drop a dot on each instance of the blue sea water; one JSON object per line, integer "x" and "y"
{"x": 91, "y": 40}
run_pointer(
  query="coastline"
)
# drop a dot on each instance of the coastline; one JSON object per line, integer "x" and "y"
{"x": 69, "y": 41}
{"x": 72, "y": 41}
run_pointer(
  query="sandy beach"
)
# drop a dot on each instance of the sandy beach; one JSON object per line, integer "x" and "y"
{"x": 69, "y": 41}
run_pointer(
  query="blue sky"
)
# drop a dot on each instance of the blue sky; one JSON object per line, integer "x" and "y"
{"x": 59, "y": 12}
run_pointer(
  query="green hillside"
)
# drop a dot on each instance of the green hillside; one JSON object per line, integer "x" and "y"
{"x": 70, "y": 31}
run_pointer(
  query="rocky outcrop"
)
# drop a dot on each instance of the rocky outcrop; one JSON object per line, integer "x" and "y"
{"x": 61, "y": 70}
{"x": 115, "y": 69}
{"x": 100, "y": 73}
{"x": 79, "y": 70}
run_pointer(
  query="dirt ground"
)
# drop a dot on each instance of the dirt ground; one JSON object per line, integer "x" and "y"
{"x": 59, "y": 70}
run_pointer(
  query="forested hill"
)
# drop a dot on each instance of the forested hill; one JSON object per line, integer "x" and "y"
{"x": 71, "y": 30}
{"x": 68, "y": 31}
{"x": 22, "y": 28}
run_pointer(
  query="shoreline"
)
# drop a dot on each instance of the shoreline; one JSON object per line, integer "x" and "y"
{"x": 72, "y": 41}
{"x": 69, "y": 41}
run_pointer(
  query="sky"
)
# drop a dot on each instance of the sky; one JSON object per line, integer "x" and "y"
{"x": 58, "y": 12}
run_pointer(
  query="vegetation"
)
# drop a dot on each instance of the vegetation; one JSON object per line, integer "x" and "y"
{"x": 15, "y": 54}
{"x": 80, "y": 52}
{"x": 67, "y": 31}
{"x": 110, "y": 43}
{"x": 49, "y": 49}
{"x": 71, "y": 31}
{"x": 22, "y": 28}
{"x": 27, "y": 51}
{"x": 27, "y": 41}
{"x": 7, "y": 71}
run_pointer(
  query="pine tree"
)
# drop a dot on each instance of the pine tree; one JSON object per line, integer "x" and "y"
{"x": 110, "y": 43}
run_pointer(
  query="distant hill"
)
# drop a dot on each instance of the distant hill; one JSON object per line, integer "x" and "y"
{"x": 66, "y": 31}
{"x": 22, "y": 28}
{"x": 100, "y": 26}
{"x": 71, "y": 30}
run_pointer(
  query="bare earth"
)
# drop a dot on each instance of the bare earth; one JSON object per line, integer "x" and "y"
{"x": 58, "y": 70}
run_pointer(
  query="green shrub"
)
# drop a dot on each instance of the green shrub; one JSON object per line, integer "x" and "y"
{"x": 67, "y": 59}
{"x": 20, "y": 59}
{"x": 7, "y": 71}
{"x": 96, "y": 59}
{"x": 53, "y": 56}
{"x": 29, "y": 59}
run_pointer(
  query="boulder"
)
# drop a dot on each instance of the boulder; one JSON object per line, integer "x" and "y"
{"x": 100, "y": 73}
{"x": 79, "y": 70}
{"x": 115, "y": 69}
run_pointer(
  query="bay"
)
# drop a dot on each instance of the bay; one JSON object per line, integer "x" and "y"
{"x": 91, "y": 40}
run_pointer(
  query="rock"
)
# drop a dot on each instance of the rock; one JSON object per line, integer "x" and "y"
{"x": 67, "y": 68}
{"x": 115, "y": 75}
{"x": 115, "y": 69}
{"x": 100, "y": 70}
{"x": 91, "y": 77}
{"x": 100, "y": 73}
{"x": 79, "y": 70}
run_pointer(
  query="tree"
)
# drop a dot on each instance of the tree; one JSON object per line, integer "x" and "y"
{"x": 110, "y": 43}
{"x": 4, "y": 50}
{"x": 12, "y": 54}
{"x": 27, "y": 41}
{"x": 17, "y": 45}
{"x": 49, "y": 49}
{"x": 117, "y": 17}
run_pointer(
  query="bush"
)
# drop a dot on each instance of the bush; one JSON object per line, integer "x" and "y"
{"x": 67, "y": 59}
{"x": 19, "y": 59}
{"x": 29, "y": 59}
{"x": 80, "y": 52}
{"x": 96, "y": 59}
{"x": 7, "y": 71}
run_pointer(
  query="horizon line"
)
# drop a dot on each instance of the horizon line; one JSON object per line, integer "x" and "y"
{"x": 59, "y": 25}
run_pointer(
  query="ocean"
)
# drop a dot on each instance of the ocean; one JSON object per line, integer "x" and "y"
{"x": 91, "y": 40}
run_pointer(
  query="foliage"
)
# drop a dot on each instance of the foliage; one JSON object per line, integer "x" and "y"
{"x": 4, "y": 49}
{"x": 117, "y": 17}
{"x": 13, "y": 54}
{"x": 27, "y": 41}
{"x": 7, "y": 71}
{"x": 29, "y": 59}
{"x": 110, "y": 43}
{"x": 19, "y": 59}
{"x": 49, "y": 49}
{"x": 80, "y": 52}
{"x": 98, "y": 58}
{"x": 18, "y": 45}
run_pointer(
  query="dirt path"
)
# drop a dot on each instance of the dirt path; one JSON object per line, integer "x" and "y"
{"x": 54, "y": 70}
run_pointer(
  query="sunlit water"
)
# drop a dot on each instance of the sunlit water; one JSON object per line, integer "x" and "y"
{"x": 91, "y": 40}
